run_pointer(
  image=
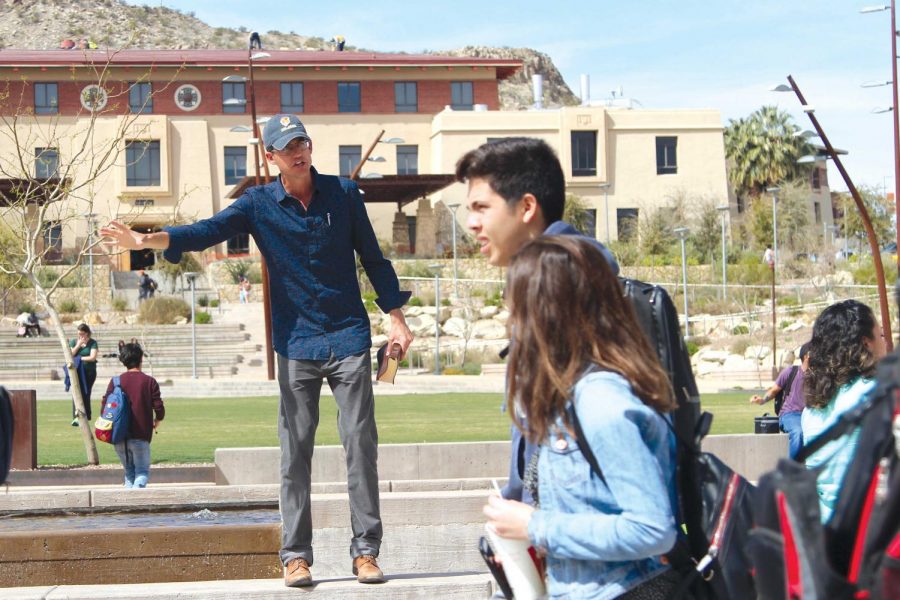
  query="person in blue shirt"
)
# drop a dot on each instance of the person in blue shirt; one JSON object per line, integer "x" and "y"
{"x": 847, "y": 343}
{"x": 517, "y": 192}
{"x": 602, "y": 536}
{"x": 308, "y": 227}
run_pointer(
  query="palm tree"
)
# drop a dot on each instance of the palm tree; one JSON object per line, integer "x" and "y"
{"x": 762, "y": 150}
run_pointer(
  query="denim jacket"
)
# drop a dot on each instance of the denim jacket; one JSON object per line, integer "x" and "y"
{"x": 605, "y": 538}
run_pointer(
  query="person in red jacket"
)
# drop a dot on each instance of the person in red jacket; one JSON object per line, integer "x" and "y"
{"x": 147, "y": 411}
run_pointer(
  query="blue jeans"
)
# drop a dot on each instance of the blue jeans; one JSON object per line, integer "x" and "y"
{"x": 135, "y": 457}
{"x": 790, "y": 424}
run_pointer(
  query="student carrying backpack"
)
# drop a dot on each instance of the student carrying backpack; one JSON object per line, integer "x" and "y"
{"x": 115, "y": 419}
{"x": 856, "y": 554}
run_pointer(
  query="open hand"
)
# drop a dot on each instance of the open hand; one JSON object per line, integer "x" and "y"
{"x": 121, "y": 235}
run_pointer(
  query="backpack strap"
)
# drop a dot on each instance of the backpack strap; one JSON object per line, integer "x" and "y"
{"x": 779, "y": 404}
{"x": 850, "y": 419}
{"x": 583, "y": 445}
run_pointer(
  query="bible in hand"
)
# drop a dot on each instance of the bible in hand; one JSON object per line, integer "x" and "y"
{"x": 388, "y": 362}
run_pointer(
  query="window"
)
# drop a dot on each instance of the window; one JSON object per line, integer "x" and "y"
{"x": 142, "y": 163}
{"x": 666, "y": 161}
{"x": 52, "y": 235}
{"x": 348, "y": 97}
{"x": 589, "y": 227}
{"x": 291, "y": 97}
{"x": 405, "y": 96}
{"x": 234, "y": 97}
{"x": 235, "y": 164}
{"x": 816, "y": 179}
{"x": 349, "y": 157}
{"x": 627, "y": 224}
{"x": 407, "y": 160}
{"x": 187, "y": 97}
{"x": 140, "y": 99}
{"x": 740, "y": 204}
{"x": 584, "y": 153}
{"x": 46, "y": 99}
{"x": 46, "y": 163}
{"x": 462, "y": 96}
{"x": 817, "y": 210}
{"x": 239, "y": 244}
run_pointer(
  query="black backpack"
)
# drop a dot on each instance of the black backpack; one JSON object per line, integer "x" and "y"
{"x": 715, "y": 503}
{"x": 857, "y": 553}
{"x": 6, "y": 433}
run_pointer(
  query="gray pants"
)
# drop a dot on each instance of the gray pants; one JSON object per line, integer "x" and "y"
{"x": 350, "y": 380}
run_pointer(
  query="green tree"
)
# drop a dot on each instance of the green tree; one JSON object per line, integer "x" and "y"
{"x": 880, "y": 210}
{"x": 707, "y": 230}
{"x": 576, "y": 214}
{"x": 762, "y": 150}
{"x": 793, "y": 220}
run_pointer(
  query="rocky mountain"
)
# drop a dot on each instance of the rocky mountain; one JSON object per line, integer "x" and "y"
{"x": 44, "y": 24}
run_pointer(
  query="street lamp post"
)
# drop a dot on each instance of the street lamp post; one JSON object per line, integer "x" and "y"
{"x": 436, "y": 268}
{"x": 191, "y": 277}
{"x": 774, "y": 191}
{"x": 682, "y": 233}
{"x": 724, "y": 211}
{"x": 896, "y": 107}
{"x": 860, "y": 206}
{"x": 90, "y": 248}
{"x": 366, "y": 157}
{"x": 452, "y": 208}
{"x": 605, "y": 188}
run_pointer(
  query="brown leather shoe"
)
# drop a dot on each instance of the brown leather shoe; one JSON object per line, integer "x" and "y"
{"x": 366, "y": 569}
{"x": 296, "y": 573}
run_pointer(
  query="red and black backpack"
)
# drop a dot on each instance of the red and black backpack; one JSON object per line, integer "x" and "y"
{"x": 856, "y": 554}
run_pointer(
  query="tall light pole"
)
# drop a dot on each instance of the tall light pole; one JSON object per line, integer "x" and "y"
{"x": 860, "y": 206}
{"x": 91, "y": 224}
{"x": 682, "y": 233}
{"x": 724, "y": 210}
{"x": 605, "y": 188}
{"x": 191, "y": 277}
{"x": 257, "y": 144}
{"x": 896, "y": 107}
{"x": 436, "y": 268}
{"x": 774, "y": 191}
{"x": 452, "y": 208}
{"x": 366, "y": 157}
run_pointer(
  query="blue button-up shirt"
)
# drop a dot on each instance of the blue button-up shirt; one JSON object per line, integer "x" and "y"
{"x": 317, "y": 308}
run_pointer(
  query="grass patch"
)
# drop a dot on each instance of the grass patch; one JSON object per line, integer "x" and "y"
{"x": 194, "y": 428}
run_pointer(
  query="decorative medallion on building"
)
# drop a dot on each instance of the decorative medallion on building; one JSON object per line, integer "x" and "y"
{"x": 94, "y": 98}
{"x": 583, "y": 120}
{"x": 187, "y": 97}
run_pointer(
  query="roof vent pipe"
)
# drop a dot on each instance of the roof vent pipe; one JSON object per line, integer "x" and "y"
{"x": 537, "y": 86}
{"x": 585, "y": 89}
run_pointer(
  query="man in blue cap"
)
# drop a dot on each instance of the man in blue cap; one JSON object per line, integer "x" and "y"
{"x": 307, "y": 226}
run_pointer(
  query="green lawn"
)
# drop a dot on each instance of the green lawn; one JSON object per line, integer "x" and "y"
{"x": 194, "y": 428}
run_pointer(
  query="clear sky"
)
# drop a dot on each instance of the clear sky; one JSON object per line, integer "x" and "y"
{"x": 721, "y": 54}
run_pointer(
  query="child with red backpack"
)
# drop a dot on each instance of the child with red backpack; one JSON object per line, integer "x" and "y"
{"x": 147, "y": 410}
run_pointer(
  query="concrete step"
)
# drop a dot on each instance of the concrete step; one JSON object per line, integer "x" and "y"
{"x": 448, "y": 586}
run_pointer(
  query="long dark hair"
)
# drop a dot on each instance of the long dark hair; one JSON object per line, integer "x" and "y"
{"x": 568, "y": 311}
{"x": 837, "y": 351}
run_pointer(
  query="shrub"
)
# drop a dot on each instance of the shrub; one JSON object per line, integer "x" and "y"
{"x": 214, "y": 303}
{"x": 26, "y": 307}
{"x": 414, "y": 301}
{"x": 495, "y": 299}
{"x": 445, "y": 302}
{"x": 691, "y": 346}
{"x": 203, "y": 301}
{"x": 740, "y": 330}
{"x": 69, "y": 306}
{"x": 119, "y": 304}
{"x": 164, "y": 310}
{"x": 369, "y": 301}
{"x": 202, "y": 318}
{"x": 740, "y": 346}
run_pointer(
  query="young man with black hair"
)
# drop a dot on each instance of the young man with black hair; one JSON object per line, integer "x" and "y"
{"x": 310, "y": 227}
{"x": 147, "y": 410}
{"x": 517, "y": 192}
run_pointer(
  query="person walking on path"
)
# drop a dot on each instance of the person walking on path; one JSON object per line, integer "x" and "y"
{"x": 87, "y": 350}
{"x": 146, "y": 286}
{"x": 147, "y": 410}
{"x": 308, "y": 227}
{"x": 790, "y": 381}
{"x": 244, "y": 288}
{"x": 517, "y": 193}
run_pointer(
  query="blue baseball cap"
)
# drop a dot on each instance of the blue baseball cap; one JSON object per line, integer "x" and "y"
{"x": 281, "y": 129}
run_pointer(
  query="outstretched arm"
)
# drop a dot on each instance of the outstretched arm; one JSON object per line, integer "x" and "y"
{"x": 123, "y": 236}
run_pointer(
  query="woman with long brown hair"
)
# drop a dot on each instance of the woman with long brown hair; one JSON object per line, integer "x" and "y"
{"x": 577, "y": 346}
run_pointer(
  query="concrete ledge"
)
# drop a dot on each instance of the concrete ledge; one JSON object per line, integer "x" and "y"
{"x": 45, "y": 499}
{"x": 242, "y": 466}
{"x": 750, "y": 455}
{"x": 110, "y": 475}
{"x": 451, "y": 586}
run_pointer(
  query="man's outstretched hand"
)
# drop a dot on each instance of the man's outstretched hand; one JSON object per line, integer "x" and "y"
{"x": 119, "y": 234}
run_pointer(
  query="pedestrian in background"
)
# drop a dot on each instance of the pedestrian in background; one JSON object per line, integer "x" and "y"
{"x": 85, "y": 350}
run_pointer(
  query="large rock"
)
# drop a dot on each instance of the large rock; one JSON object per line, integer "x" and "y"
{"x": 757, "y": 352}
{"x": 488, "y": 329}
{"x": 421, "y": 325}
{"x": 712, "y": 356}
{"x": 487, "y": 312}
{"x": 456, "y": 327}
